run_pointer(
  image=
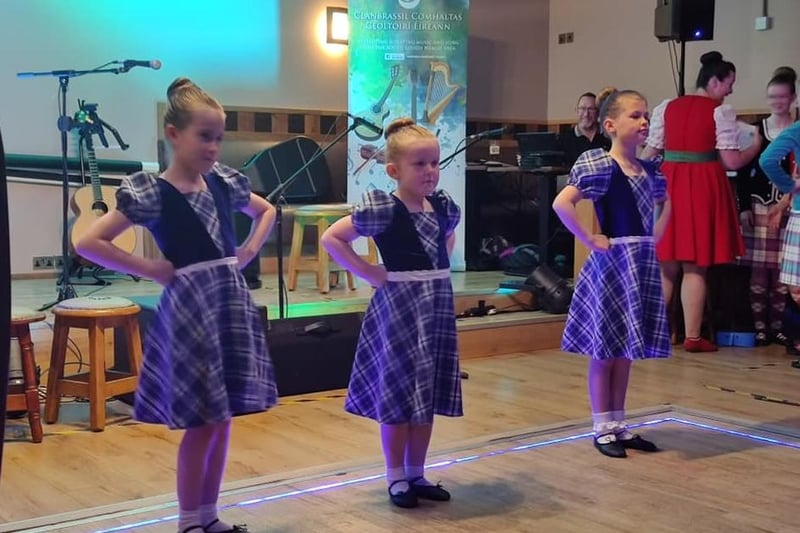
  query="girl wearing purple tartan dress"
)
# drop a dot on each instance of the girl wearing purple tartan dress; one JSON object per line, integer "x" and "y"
{"x": 205, "y": 356}
{"x": 617, "y": 312}
{"x": 406, "y": 364}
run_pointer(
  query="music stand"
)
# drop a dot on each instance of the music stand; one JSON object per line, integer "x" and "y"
{"x": 65, "y": 124}
{"x": 275, "y": 197}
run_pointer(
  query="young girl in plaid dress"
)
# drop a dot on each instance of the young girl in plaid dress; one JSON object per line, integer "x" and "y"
{"x": 406, "y": 365}
{"x": 617, "y": 312}
{"x": 763, "y": 217}
{"x": 205, "y": 356}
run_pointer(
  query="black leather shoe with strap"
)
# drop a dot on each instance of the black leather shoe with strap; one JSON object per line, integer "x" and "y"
{"x": 638, "y": 443}
{"x": 429, "y": 492}
{"x": 237, "y": 528}
{"x": 406, "y": 499}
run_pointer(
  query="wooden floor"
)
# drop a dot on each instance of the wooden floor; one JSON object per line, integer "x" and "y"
{"x": 704, "y": 481}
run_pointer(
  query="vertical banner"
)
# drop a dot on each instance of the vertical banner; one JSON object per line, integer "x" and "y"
{"x": 408, "y": 58}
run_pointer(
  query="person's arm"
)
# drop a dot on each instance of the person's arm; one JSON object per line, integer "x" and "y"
{"x": 97, "y": 246}
{"x": 564, "y": 206}
{"x": 655, "y": 140}
{"x": 727, "y": 143}
{"x": 336, "y": 240}
{"x": 262, "y": 214}
{"x": 779, "y": 148}
{"x": 451, "y": 243}
{"x": 663, "y": 212}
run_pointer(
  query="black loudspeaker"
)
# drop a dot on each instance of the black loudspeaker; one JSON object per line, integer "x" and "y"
{"x": 684, "y": 20}
{"x": 313, "y": 354}
{"x": 553, "y": 294}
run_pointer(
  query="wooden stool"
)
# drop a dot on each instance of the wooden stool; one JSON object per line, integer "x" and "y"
{"x": 28, "y": 399}
{"x": 94, "y": 314}
{"x": 321, "y": 217}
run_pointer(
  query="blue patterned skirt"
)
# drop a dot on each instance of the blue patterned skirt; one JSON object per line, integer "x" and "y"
{"x": 790, "y": 262}
{"x": 618, "y": 307}
{"x": 205, "y": 354}
{"x": 406, "y": 365}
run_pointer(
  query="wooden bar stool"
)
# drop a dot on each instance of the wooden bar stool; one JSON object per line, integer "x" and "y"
{"x": 28, "y": 398}
{"x": 94, "y": 314}
{"x": 321, "y": 217}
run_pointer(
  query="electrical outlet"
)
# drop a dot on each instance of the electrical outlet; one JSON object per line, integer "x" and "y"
{"x": 58, "y": 262}
{"x": 42, "y": 262}
{"x": 494, "y": 149}
{"x": 570, "y": 37}
{"x": 562, "y": 38}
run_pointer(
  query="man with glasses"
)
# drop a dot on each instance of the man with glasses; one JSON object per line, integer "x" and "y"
{"x": 586, "y": 134}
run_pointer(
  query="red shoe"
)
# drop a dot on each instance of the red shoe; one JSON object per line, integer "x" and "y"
{"x": 699, "y": 345}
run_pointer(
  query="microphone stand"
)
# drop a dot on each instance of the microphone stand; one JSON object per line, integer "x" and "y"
{"x": 65, "y": 124}
{"x": 274, "y": 198}
{"x": 447, "y": 160}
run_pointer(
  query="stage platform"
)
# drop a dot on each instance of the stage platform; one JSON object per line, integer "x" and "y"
{"x": 545, "y": 478}
{"x": 513, "y": 327}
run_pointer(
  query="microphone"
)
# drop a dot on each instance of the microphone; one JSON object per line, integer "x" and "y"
{"x": 367, "y": 124}
{"x": 154, "y": 64}
{"x": 487, "y": 133}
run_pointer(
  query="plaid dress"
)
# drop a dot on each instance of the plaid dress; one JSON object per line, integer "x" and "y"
{"x": 406, "y": 364}
{"x": 757, "y": 194}
{"x": 618, "y": 307}
{"x": 205, "y": 354}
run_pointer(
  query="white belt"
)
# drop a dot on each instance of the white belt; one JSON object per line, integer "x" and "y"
{"x": 204, "y": 265}
{"x": 418, "y": 275}
{"x": 631, "y": 239}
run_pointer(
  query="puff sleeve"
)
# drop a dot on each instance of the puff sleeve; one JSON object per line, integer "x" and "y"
{"x": 374, "y": 214}
{"x": 139, "y": 199}
{"x": 655, "y": 139}
{"x": 726, "y": 127}
{"x": 591, "y": 173}
{"x": 238, "y": 184}
{"x": 450, "y": 208}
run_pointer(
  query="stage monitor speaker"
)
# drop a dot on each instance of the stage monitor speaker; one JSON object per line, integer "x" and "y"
{"x": 684, "y": 20}
{"x": 313, "y": 354}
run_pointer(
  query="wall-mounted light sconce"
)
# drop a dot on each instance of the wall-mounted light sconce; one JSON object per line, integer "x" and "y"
{"x": 338, "y": 25}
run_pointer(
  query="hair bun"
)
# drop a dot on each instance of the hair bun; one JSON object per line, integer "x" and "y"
{"x": 604, "y": 93}
{"x": 786, "y": 74}
{"x": 179, "y": 85}
{"x": 709, "y": 58}
{"x": 397, "y": 125}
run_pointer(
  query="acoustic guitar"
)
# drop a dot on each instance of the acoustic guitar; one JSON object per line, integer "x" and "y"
{"x": 378, "y": 112}
{"x": 90, "y": 202}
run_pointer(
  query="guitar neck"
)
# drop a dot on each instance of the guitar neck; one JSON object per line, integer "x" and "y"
{"x": 94, "y": 174}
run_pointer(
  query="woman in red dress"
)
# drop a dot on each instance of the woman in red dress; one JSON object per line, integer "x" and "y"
{"x": 699, "y": 137}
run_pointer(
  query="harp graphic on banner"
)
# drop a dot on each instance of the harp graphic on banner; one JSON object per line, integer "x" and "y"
{"x": 440, "y": 92}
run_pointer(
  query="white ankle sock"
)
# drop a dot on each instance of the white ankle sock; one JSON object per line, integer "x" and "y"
{"x": 189, "y": 518}
{"x": 397, "y": 474}
{"x": 414, "y": 472}
{"x": 208, "y": 514}
{"x": 620, "y": 429}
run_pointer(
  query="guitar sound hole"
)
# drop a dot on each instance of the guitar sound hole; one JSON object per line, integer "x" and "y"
{"x": 100, "y": 207}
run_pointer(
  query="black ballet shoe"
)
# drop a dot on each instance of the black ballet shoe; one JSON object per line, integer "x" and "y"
{"x": 795, "y": 364}
{"x": 429, "y": 492}
{"x": 236, "y": 528}
{"x": 779, "y": 338}
{"x": 638, "y": 443}
{"x": 791, "y": 349}
{"x": 610, "y": 449}
{"x": 406, "y": 499}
